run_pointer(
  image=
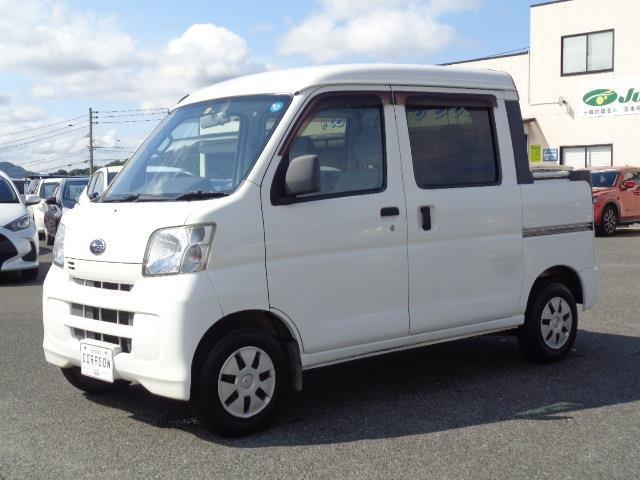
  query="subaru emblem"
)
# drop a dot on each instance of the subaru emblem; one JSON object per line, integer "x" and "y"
{"x": 97, "y": 247}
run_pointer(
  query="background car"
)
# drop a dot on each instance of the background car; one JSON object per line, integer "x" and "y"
{"x": 64, "y": 198}
{"x": 616, "y": 197}
{"x": 18, "y": 235}
{"x": 44, "y": 190}
{"x": 98, "y": 183}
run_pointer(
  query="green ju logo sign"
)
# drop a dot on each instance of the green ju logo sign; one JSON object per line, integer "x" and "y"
{"x": 604, "y": 102}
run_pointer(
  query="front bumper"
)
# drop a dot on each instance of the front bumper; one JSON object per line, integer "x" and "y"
{"x": 164, "y": 320}
{"x": 18, "y": 250}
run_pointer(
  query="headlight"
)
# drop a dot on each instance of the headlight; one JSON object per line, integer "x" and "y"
{"x": 21, "y": 223}
{"x": 58, "y": 247}
{"x": 178, "y": 250}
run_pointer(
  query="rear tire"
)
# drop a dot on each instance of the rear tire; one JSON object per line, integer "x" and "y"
{"x": 551, "y": 324}
{"x": 609, "y": 221}
{"x": 91, "y": 385}
{"x": 241, "y": 383}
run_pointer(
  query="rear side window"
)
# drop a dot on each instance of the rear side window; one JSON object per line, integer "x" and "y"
{"x": 347, "y": 136}
{"x": 452, "y": 146}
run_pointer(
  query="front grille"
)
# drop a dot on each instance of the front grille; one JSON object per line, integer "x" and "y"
{"x": 119, "y": 317}
{"x": 124, "y": 287}
{"x": 125, "y": 343}
{"x": 31, "y": 256}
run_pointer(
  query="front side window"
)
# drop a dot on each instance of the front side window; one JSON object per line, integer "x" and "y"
{"x": 347, "y": 136}
{"x": 201, "y": 150}
{"x": 587, "y": 53}
{"x": 452, "y": 146}
{"x": 7, "y": 193}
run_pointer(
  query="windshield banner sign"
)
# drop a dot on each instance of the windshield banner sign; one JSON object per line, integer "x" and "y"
{"x": 610, "y": 98}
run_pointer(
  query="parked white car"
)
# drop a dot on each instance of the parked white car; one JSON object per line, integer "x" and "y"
{"x": 18, "y": 234}
{"x": 329, "y": 213}
{"x": 98, "y": 183}
{"x": 45, "y": 189}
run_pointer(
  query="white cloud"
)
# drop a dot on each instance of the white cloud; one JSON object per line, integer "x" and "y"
{"x": 71, "y": 55}
{"x": 384, "y": 30}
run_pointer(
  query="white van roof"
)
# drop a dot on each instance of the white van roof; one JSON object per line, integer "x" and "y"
{"x": 299, "y": 79}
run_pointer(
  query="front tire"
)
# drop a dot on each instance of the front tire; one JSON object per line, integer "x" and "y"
{"x": 91, "y": 385}
{"x": 609, "y": 221}
{"x": 241, "y": 383}
{"x": 551, "y": 324}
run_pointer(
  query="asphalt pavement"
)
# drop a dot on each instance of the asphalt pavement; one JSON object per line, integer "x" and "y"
{"x": 472, "y": 409}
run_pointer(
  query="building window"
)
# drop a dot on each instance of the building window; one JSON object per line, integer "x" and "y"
{"x": 587, "y": 53}
{"x": 587, "y": 156}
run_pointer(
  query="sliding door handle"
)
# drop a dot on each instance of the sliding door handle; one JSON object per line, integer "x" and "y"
{"x": 389, "y": 212}
{"x": 426, "y": 218}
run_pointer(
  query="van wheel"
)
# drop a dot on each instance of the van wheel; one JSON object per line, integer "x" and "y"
{"x": 241, "y": 383}
{"x": 91, "y": 385}
{"x": 550, "y": 325}
{"x": 609, "y": 221}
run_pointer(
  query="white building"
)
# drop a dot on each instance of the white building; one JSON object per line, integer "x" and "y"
{"x": 579, "y": 82}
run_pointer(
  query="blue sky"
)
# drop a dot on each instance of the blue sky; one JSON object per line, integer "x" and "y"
{"x": 58, "y": 58}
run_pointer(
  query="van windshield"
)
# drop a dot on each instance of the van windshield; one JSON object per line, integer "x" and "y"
{"x": 200, "y": 151}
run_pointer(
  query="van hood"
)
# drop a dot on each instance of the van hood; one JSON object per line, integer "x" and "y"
{"x": 10, "y": 212}
{"x": 125, "y": 228}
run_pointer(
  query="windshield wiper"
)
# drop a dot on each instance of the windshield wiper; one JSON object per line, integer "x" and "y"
{"x": 199, "y": 195}
{"x": 132, "y": 197}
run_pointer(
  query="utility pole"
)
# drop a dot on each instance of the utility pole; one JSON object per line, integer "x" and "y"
{"x": 90, "y": 141}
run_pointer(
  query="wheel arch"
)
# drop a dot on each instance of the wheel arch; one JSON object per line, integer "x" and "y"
{"x": 561, "y": 274}
{"x": 260, "y": 319}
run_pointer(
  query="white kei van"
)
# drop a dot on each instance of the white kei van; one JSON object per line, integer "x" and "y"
{"x": 288, "y": 220}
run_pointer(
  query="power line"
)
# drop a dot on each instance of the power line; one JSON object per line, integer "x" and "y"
{"x": 29, "y": 137}
{"x": 41, "y": 127}
{"x": 41, "y": 139}
{"x": 136, "y": 110}
{"x": 132, "y": 115}
{"x": 133, "y": 121}
{"x": 53, "y": 159}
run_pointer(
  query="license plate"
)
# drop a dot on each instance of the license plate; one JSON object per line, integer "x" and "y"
{"x": 96, "y": 361}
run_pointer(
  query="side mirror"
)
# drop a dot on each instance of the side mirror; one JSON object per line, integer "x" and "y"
{"x": 51, "y": 201}
{"x": 303, "y": 175}
{"x": 93, "y": 196}
{"x": 626, "y": 185}
{"x": 31, "y": 200}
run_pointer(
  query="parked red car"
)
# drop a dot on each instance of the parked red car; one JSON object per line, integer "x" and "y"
{"x": 616, "y": 197}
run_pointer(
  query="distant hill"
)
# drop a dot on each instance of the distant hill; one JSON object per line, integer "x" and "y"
{"x": 14, "y": 171}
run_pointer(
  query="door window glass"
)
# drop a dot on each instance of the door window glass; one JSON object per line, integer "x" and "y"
{"x": 452, "y": 146}
{"x": 349, "y": 143}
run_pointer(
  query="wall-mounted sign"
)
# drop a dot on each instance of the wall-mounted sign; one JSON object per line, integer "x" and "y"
{"x": 550, "y": 155}
{"x": 609, "y": 98}
{"x": 535, "y": 153}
